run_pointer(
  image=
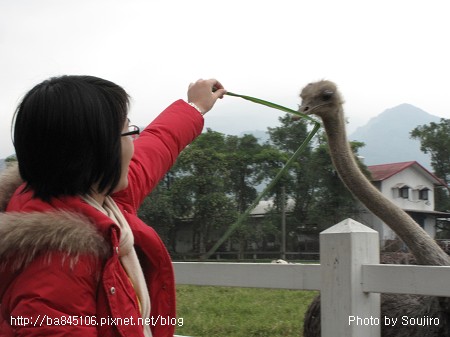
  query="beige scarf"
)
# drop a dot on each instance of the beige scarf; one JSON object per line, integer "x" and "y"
{"x": 127, "y": 253}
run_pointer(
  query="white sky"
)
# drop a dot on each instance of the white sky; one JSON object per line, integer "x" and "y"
{"x": 381, "y": 53}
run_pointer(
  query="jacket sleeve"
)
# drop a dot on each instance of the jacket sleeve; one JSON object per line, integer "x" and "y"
{"x": 54, "y": 297}
{"x": 157, "y": 148}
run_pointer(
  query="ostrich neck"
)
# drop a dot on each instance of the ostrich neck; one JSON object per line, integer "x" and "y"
{"x": 424, "y": 248}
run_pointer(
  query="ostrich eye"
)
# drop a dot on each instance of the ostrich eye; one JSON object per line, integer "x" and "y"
{"x": 326, "y": 94}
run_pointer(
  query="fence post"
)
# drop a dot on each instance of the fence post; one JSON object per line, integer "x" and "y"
{"x": 346, "y": 310}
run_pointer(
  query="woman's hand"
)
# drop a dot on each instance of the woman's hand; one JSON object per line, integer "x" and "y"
{"x": 204, "y": 94}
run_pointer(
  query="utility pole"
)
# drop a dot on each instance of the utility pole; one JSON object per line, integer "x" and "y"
{"x": 283, "y": 223}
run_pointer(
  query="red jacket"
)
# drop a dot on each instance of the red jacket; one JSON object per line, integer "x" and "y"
{"x": 60, "y": 273}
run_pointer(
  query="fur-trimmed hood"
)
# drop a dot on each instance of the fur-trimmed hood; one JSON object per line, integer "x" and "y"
{"x": 10, "y": 180}
{"x": 25, "y": 235}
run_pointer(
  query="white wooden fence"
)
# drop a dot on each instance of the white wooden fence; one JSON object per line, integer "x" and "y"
{"x": 350, "y": 279}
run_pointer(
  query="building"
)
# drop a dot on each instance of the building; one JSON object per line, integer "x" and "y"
{"x": 411, "y": 187}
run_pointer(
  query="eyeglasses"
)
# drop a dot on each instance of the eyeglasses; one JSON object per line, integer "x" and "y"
{"x": 133, "y": 131}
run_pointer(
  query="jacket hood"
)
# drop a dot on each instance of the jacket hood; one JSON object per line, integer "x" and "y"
{"x": 24, "y": 235}
{"x": 10, "y": 180}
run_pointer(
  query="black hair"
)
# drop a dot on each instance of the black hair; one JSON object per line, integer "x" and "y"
{"x": 67, "y": 136}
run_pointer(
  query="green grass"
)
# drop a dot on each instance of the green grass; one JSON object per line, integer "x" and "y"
{"x": 241, "y": 312}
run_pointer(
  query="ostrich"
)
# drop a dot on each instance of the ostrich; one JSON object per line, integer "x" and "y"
{"x": 323, "y": 99}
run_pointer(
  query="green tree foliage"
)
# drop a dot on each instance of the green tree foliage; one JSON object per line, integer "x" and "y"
{"x": 244, "y": 159}
{"x": 216, "y": 178}
{"x": 320, "y": 198}
{"x": 331, "y": 201}
{"x": 204, "y": 177}
{"x": 11, "y": 159}
{"x": 298, "y": 184}
{"x": 435, "y": 140}
{"x": 162, "y": 211}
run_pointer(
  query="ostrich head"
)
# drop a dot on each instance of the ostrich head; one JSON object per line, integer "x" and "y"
{"x": 321, "y": 98}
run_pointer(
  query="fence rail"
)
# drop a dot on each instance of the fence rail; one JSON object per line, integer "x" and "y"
{"x": 249, "y": 275}
{"x": 377, "y": 278}
{"x": 349, "y": 278}
{"x": 249, "y": 255}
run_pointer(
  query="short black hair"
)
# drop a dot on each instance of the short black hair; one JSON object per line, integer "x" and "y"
{"x": 67, "y": 136}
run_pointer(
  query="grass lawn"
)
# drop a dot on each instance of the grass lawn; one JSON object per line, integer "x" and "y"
{"x": 241, "y": 312}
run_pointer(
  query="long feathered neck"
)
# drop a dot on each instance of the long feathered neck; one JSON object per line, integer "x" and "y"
{"x": 424, "y": 248}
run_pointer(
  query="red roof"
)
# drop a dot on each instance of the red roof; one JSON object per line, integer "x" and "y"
{"x": 384, "y": 171}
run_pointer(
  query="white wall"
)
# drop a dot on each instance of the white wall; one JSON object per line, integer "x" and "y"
{"x": 413, "y": 178}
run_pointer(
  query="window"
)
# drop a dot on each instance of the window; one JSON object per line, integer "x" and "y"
{"x": 404, "y": 192}
{"x": 401, "y": 190}
{"x": 423, "y": 194}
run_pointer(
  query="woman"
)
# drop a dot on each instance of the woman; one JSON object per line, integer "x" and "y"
{"x": 74, "y": 257}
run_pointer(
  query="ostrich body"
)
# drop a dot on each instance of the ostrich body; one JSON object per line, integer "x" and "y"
{"x": 323, "y": 99}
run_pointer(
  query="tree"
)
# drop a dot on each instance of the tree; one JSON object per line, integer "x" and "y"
{"x": 10, "y": 160}
{"x": 332, "y": 202}
{"x": 193, "y": 191}
{"x": 320, "y": 198}
{"x": 242, "y": 156}
{"x": 162, "y": 209}
{"x": 297, "y": 183}
{"x": 435, "y": 140}
{"x": 215, "y": 178}
{"x": 243, "y": 159}
{"x": 203, "y": 177}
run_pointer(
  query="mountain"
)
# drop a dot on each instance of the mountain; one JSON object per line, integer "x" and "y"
{"x": 387, "y": 136}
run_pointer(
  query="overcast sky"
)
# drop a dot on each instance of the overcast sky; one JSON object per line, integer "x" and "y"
{"x": 380, "y": 53}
